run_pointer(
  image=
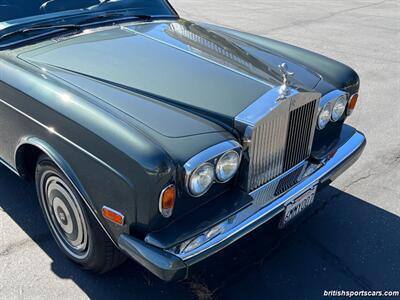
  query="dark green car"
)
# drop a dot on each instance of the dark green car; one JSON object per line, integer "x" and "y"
{"x": 161, "y": 139}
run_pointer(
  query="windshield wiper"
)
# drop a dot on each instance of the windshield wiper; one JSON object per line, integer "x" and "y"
{"x": 40, "y": 27}
{"x": 114, "y": 16}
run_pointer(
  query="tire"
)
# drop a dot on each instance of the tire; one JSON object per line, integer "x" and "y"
{"x": 74, "y": 228}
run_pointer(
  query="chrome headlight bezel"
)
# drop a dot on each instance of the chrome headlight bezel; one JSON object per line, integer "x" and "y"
{"x": 329, "y": 100}
{"x": 210, "y": 156}
{"x": 342, "y": 100}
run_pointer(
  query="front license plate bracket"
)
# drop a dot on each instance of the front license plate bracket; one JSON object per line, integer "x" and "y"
{"x": 297, "y": 206}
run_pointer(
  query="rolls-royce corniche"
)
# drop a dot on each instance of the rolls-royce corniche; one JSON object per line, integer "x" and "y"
{"x": 160, "y": 139}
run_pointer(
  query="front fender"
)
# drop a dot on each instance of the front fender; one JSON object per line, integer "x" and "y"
{"x": 65, "y": 167}
{"x": 110, "y": 162}
{"x": 335, "y": 75}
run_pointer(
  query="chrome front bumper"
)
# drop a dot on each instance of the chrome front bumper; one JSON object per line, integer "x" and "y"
{"x": 170, "y": 266}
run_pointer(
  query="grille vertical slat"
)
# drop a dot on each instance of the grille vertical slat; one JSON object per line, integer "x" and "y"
{"x": 299, "y": 153}
{"x": 280, "y": 142}
{"x": 266, "y": 132}
{"x": 279, "y": 154}
{"x": 269, "y": 149}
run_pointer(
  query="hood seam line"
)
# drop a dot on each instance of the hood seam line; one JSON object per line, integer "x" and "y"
{"x": 198, "y": 56}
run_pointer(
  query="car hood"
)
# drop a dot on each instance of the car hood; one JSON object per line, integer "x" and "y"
{"x": 178, "y": 63}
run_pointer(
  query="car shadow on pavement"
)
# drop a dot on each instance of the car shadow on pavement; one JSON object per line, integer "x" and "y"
{"x": 342, "y": 243}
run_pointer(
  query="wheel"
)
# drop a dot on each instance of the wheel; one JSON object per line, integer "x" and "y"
{"x": 74, "y": 228}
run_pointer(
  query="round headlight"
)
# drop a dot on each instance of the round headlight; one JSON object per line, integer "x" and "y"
{"x": 227, "y": 166}
{"x": 339, "y": 108}
{"x": 201, "y": 179}
{"x": 325, "y": 115}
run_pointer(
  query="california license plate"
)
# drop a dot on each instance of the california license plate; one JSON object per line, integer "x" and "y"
{"x": 296, "y": 207}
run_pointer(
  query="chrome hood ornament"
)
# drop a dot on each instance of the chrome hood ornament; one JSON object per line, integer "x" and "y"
{"x": 284, "y": 89}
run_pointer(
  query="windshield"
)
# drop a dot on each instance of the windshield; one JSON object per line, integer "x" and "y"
{"x": 16, "y": 12}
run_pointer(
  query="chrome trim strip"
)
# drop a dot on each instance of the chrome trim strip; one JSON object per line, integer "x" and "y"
{"x": 50, "y": 129}
{"x": 208, "y": 155}
{"x": 9, "y": 167}
{"x": 53, "y": 131}
{"x": 331, "y": 96}
{"x": 254, "y": 213}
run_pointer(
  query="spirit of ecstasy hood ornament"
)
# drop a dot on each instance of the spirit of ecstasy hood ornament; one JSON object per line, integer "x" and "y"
{"x": 284, "y": 90}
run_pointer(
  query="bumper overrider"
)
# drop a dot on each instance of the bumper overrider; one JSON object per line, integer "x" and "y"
{"x": 169, "y": 265}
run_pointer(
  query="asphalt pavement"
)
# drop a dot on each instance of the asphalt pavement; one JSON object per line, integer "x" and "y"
{"x": 350, "y": 240}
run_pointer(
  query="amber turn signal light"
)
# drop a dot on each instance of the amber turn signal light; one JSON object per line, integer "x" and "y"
{"x": 113, "y": 215}
{"x": 167, "y": 200}
{"x": 352, "y": 104}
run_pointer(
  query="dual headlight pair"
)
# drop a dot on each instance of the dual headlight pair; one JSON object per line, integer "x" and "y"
{"x": 219, "y": 164}
{"x": 332, "y": 111}
{"x": 334, "y": 105}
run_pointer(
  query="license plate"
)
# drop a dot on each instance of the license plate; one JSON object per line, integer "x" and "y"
{"x": 296, "y": 207}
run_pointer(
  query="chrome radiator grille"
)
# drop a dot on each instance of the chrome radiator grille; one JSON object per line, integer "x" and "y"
{"x": 281, "y": 141}
{"x": 301, "y": 123}
{"x": 267, "y": 150}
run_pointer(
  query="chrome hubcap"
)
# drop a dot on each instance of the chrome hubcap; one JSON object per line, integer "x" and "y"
{"x": 62, "y": 215}
{"x": 65, "y": 215}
